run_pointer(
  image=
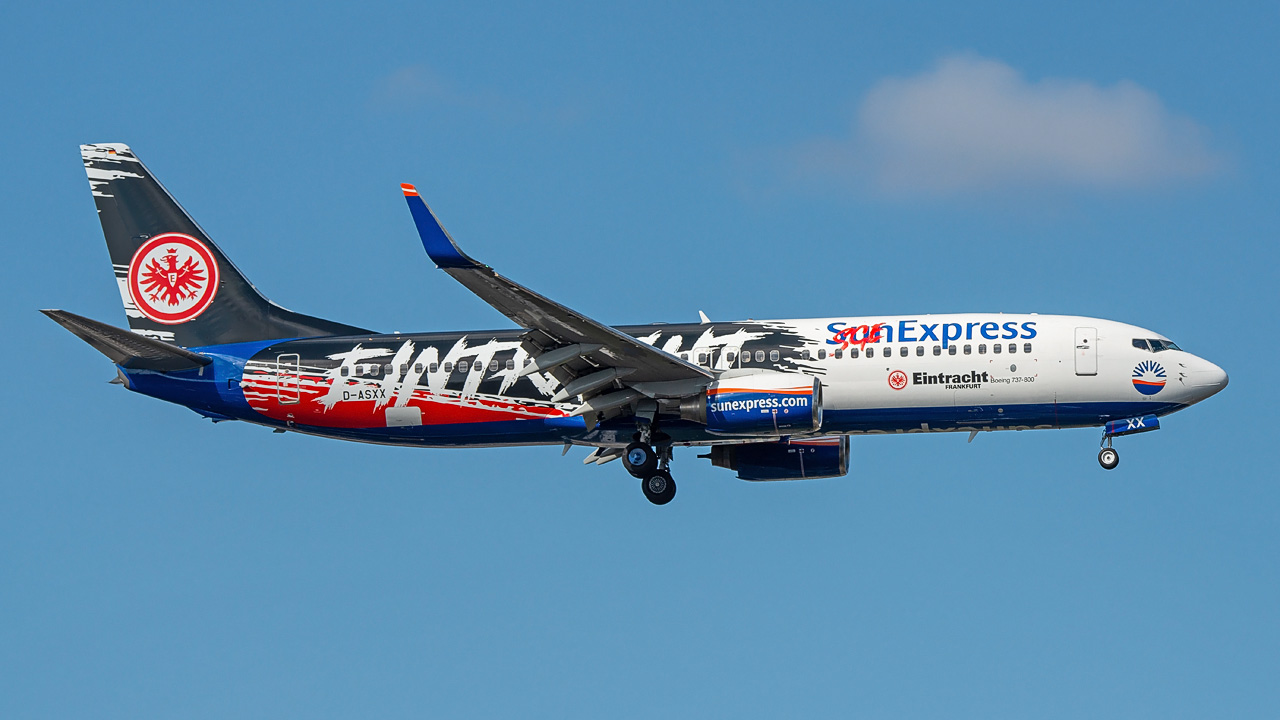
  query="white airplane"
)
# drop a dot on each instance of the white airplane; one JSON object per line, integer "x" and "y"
{"x": 773, "y": 399}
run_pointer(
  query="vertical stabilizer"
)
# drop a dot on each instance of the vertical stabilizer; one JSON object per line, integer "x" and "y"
{"x": 175, "y": 283}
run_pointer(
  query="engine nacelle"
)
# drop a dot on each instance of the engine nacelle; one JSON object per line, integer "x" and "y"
{"x": 768, "y": 403}
{"x": 795, "y": 460}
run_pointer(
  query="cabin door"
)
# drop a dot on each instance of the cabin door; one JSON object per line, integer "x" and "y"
{"x": 1086, "y": 351}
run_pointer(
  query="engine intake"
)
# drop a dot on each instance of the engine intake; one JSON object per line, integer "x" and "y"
{"x": 768, "y": 403}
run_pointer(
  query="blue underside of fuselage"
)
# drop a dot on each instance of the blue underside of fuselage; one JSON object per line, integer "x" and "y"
{"x": 869, "y": 420}
{"x": 207, "y": 391}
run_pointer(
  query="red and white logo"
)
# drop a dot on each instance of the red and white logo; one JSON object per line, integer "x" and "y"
{"x": 173, "y": 278}
{"x": 897, "y": 379}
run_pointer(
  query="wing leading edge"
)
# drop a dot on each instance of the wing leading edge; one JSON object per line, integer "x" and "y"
{"x": 563, "y": 339}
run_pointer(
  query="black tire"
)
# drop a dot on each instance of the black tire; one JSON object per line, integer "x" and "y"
{"x": 659, "y": 487}
{"x": 1108, "y": 458}
{"x": 640, "y": 460}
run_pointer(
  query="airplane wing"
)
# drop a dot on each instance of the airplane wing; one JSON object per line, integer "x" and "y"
{"x": 564, "y": 338}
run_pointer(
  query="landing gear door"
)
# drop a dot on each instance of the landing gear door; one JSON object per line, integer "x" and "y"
{"x": 287, "y": 379}
{"x": 1086, "y": 351}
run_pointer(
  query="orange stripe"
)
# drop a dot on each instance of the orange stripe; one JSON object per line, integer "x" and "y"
{"x": 793, "y": 391}
{"x": 408, "y": 189}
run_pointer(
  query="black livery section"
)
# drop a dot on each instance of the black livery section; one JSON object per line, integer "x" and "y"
{"x": 133, "y": 208}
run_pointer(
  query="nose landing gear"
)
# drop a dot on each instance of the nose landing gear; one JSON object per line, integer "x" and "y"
{"x": 1108, "y": 458}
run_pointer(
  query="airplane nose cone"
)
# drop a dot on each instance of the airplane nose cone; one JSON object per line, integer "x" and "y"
{"x": 1207, "y": 378}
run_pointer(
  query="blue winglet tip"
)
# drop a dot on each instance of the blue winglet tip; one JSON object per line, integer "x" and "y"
{"x": 441, "y": 248}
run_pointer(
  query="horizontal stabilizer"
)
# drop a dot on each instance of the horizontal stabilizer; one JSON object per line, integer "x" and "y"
{"x": 128, "y": 349}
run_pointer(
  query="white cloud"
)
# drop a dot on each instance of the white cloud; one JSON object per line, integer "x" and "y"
{"x": 414, "y": 88}
{"x": 976, "y": 125}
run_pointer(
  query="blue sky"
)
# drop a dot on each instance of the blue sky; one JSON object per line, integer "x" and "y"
{"x": 643, "y": 164}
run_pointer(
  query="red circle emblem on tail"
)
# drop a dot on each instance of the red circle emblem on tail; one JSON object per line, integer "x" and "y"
{"x": 173, "y": 278}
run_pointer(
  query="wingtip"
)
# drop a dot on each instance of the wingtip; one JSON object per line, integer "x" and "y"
{"x": 408, "y": 190}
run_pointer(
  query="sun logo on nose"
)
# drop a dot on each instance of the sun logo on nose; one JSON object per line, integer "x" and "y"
{"x": 1148, "y": 377}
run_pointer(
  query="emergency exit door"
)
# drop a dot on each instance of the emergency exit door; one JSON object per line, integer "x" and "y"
{"x": 1086, "y": 351}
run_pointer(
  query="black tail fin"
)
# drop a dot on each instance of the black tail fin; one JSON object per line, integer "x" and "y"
{"x": 176, "y": 284}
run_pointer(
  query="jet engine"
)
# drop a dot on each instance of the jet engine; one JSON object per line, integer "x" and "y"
{"x": 768, "y": 403}
{"x": 785, "y": 460}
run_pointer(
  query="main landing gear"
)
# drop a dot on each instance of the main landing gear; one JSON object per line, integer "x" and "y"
{"x": 651, "y": 466}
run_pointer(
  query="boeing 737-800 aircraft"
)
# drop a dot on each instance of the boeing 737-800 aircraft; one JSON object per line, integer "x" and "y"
{"x": 772, "y": 400}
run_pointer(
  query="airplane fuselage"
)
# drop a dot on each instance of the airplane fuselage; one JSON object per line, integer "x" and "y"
{"x": 774, "y": 399}
{"x": 961, "y": 372}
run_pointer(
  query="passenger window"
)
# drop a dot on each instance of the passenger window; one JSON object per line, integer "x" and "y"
{"x": 804, "y": 354}
{"x": 902, "y": 352}
{"x": 511, "y": 364}
{"x": 493, "y": 365}
{"x": 417, "y": 367}
{"x": 448, "y": 367}
{"x": 702, "y": 358}
{"x": 951, "y": 350}
{"x": 774, "y": 356}
{"x": 886, "y": 352}
{"x": 477, "y": 366}
{"x": 388, "y": 369}
{"x": 937, "y": 349}
{"x": 759, "y": 356}
{"x": 528, "y": 361}
{"x": 344, "y": 371}
{"x": 982, "y": 348}
{"x": 1026, "y": 347}
{"x": 1013, "y": 348}
{"x": 919, "y": 351}
{"x": 871, "y": 352}
{"x": 404, "y": 368}
{"x": 838, "y": 354}
{"x": 822, "y": 354}
{"x": 1141, "y": 344}
{"x": 853, "y": 352}
{"x": 995, "y": 348}
{"x": 434, "y": 367}
{"x": 684, "y": 356}
{"x": 730, "y": 357}
{"x": 968, "y": 349}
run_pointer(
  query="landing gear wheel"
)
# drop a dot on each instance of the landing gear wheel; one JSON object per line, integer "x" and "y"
{"x": 640, "y": 459}
{"x": 659, "y": 488}
{"x": 1108, "y": 458}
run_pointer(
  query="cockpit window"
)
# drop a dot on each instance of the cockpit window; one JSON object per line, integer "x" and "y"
{"x": 1154, "y": 345}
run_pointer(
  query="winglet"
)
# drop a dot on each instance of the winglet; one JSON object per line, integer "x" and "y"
{"x": 440, "y": 247}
